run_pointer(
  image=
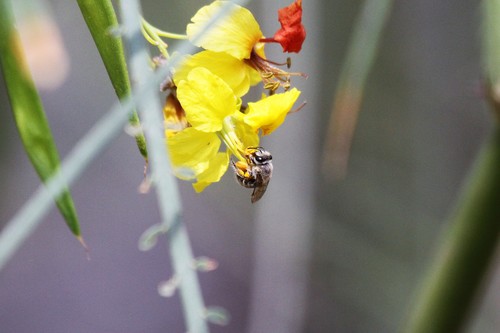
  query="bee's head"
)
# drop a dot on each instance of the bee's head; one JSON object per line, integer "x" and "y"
{"x": 258, "y": 156}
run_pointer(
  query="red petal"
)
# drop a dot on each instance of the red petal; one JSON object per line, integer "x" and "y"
{"x": 292, "y": 33}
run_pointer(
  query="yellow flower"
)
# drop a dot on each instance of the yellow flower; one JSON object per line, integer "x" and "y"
{"x": 234, "y": 50}
{"x": 204, "y": 107}
{"x": 212, "y": 111}
{"x": 209, "y": 104}
{"x": 235, "y": 34}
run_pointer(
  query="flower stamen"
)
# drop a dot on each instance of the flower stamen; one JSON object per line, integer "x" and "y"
{"x": 272, "y": 76}
{"x": 297, "y": 109}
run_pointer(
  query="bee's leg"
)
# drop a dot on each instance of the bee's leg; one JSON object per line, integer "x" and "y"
{"x": 243, "y": 173}
{"x": 233, "y": 165}
{"x": 240, "y": 168}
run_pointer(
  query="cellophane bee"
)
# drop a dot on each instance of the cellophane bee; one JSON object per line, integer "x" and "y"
{"x": 255, "y": 172}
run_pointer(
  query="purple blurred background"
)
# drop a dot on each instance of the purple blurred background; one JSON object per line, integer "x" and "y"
{"x": 314, "y": 256}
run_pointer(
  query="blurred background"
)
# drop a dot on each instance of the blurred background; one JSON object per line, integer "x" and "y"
{"x": 316, "y": 254}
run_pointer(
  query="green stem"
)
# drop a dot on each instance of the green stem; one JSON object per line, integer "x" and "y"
{"x": 160, "y": 32}
{"x": 154, "y": 36}
{"x": 101, "y": 18}
{"x": 150, "y": 35}
{"x": 466, "y": 250}
{"x": 468, "y": 247}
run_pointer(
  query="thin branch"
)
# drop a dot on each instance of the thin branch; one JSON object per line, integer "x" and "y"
{"x": 166, "y": 186}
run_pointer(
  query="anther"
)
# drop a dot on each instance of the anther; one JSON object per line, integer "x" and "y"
{"x": 267, "y": 75}
{"x": 272, "y": 85}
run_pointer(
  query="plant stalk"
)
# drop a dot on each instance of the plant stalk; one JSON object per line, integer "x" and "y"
{"x": 466, "y": 251}
{"x": 166, "y": 186}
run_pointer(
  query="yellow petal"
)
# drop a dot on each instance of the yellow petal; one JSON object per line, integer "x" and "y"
{"x": 238, "y": 75}
{"x": 192, "y": 149}
{"x": 206, "y": 99}
{"x": 216, "y": 169}
{"x": 236, "y": 33}
{"x": 270, "y": 112}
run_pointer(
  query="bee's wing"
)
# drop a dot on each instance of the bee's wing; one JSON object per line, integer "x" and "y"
{"x": 261, "y": 185}
{"x": 259, "y": 191}
{"x": 262, "y": 176}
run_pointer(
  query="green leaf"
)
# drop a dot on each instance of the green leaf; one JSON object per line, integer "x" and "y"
{"x": 101, "y": 19}
{"x": 29, "y": 114}
{"x": 467, "y": 251}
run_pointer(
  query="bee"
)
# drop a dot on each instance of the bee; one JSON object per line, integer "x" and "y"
{"x": 255, "y": 172}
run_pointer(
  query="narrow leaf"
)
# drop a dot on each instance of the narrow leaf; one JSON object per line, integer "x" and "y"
{"x": 29, "y": 114}
{"x": 101, "y": 19}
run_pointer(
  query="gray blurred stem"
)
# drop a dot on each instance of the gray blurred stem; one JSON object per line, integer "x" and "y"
{"x": 284, "y": 215}
{"x": 166, "y": 186}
